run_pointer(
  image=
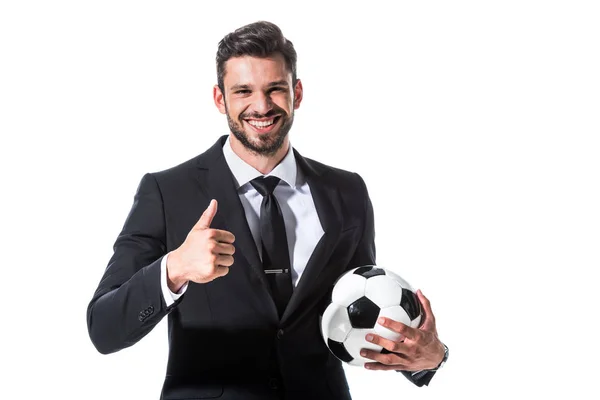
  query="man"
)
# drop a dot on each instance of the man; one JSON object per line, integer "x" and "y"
{"x": 240, "y": 247}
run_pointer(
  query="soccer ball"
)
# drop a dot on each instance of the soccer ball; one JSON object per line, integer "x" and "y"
{"x": 360, "y": 296}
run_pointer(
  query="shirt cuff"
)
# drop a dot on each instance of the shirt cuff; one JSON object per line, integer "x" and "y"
{"x": 168, "y": 295}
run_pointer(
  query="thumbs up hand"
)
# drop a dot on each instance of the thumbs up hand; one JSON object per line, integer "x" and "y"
{"x": 206, "y": 253}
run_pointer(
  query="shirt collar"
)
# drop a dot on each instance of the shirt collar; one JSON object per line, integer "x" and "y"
{"x": 243, "y": 172}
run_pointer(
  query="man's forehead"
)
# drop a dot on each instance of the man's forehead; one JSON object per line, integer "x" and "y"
{"x": 250, "y": 70}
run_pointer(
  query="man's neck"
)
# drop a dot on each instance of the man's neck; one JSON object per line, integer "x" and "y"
{"x": 263, "y": 164}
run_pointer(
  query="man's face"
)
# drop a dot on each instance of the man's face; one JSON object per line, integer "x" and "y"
{"x": 259, "y": 101}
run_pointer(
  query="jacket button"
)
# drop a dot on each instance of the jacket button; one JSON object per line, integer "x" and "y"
{"x": 280, "y": 334}
{"x": 273, "y": 384}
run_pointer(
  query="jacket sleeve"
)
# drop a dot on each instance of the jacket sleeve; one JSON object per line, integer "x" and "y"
{"x": 365, "y": 255}
{"x": 128, "y": 302}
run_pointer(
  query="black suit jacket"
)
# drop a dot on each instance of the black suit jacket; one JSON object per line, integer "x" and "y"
{"x": 225, "y": 338}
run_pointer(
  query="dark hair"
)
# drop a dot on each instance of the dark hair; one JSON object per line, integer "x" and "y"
{"x": 259, "y": 39}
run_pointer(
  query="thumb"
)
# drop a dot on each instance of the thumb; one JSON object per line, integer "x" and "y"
{"x": 428, "y": 322}
{"x": 207, "y": 216}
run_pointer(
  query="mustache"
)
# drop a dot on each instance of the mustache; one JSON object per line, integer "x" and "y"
{"x": 259, "y": 116}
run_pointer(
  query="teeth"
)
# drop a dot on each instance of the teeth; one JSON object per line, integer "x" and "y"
{"x": 261, "y": 124}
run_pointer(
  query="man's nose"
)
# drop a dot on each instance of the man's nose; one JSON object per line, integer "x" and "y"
{"x": 262, "y": 103}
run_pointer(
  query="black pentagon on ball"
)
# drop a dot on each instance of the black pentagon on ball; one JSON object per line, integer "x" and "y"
{"x": 339, "y": 350}
{"x": 369, "y": 271}
{"x": 410, "y": 303}
{"x": 363, "y": 313}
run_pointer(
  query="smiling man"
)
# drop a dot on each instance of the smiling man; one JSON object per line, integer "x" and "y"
{"x": 240, "y": 248}
{"x": 259, "y": 96}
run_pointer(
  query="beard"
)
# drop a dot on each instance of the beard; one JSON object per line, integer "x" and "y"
{"x": 266, "y": 144}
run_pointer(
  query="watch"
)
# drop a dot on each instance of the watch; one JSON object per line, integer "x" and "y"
{"x": 446, "y": 352}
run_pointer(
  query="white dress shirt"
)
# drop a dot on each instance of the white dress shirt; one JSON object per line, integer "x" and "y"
{"x": 302, "y": 226}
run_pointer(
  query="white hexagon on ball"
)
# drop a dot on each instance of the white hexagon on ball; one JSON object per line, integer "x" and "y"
{"x": 383, "y": 291}
{"x": 396, "y": 313}
{"x": 347, "y": 289}
{"x": 335, "y": 323}
{"x": 355, "y": 342}
{"x": 400, "y": 280}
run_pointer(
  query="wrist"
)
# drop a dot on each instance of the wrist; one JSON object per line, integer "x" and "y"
{"x": 444, "y": 357}
{"x": 175, "y": 277}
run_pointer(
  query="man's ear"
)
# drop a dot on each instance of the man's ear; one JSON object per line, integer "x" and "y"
{"x": 219, "y": 99}
{"x": 297, "y": 94}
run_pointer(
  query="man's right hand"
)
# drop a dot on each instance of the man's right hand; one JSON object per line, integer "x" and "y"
{"x": 206, "y": 253}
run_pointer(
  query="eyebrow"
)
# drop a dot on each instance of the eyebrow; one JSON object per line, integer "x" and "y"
{"x": 238, "y": 86}
{"x": 247, "y": 87}
{"x": 278, "y": 83}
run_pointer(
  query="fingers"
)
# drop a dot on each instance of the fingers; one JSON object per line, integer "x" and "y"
{"x": 390, "y": 345}
{"x": 398, "y": 327}
{"x": 375, "y": 366}
{"x": 384, "y": 360}
{"x": 224, "y": 261}
{"x": 424, "y": 301}
{"x": 394, "y": 358}
{"x": 224, "y": 249}
{"x": 222, "y": 236}
{"x": 428, "y": 322}
{"x": 221, "y": 271}
{"x": 207, "y": 216}
{"x": 206, "y": 220}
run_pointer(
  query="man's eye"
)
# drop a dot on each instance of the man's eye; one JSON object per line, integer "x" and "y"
{"x": 243, "y": 91}
{"x": 278, "y": 89}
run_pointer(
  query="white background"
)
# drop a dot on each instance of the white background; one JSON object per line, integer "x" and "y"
{"x": 474, "y": 123}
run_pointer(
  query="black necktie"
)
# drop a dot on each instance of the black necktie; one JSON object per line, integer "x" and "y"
{"x": 276, "y": 258}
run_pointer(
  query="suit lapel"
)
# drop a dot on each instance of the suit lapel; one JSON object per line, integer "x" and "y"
{"x": 328, "y": 206}
{"x": 216, "y": 181}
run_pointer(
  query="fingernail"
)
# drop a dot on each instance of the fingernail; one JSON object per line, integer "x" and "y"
{"x": 363, "y": 353}
{"x": 370, "y": 338}
{"x": 368, "y": 366}
{"x": 381, "y": 321}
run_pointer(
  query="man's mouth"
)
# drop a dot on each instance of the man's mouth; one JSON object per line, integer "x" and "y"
{"x": 263, "y": 125}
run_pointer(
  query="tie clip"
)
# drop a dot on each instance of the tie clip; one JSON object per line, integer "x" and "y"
{"x": 277, "y": 271}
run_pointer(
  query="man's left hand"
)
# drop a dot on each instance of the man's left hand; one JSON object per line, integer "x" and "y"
{"x": 418, "y": 348}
